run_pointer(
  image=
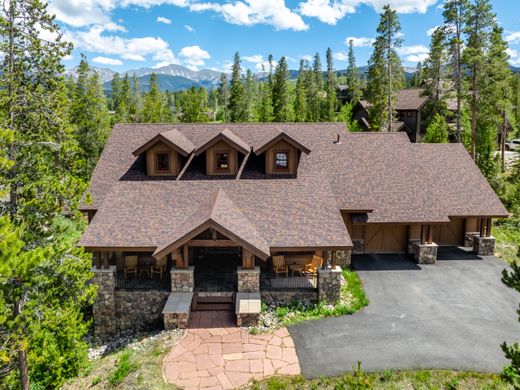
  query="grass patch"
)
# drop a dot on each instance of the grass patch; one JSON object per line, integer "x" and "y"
{"x": 137, "y": 366}
{"x": 420, "y": 379}
{"x": 352, "y": 299}
{"x": 507, "y": 241}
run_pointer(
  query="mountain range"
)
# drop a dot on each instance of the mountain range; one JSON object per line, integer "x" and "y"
{"x": 177, "y": 77}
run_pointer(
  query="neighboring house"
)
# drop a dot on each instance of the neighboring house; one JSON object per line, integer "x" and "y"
{"x": 197, "y": 214}
{"x": 409, "y": 106}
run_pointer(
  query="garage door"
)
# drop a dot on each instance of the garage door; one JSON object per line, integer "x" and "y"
{"x": 450, "y": 234}
{"x": 385, "y": 238}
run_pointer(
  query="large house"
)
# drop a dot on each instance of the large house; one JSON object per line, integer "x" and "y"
{"x": 409, "y": 105}
{"x": 196, "y": 216}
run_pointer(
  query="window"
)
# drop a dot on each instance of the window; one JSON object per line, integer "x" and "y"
{"x": 162, "y": 162}
{"x": 409, "y": 114}
{"x": 281, "y": 160}
{"x": 222, "y": 159}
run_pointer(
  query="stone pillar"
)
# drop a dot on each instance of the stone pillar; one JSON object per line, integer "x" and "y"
{"x": 358, "y": 246}
{"x": 248, "y": 279}
{"x": 329, "y": 284}
{"x": 343, "y": 258}
{"x": 104, "y": 308}
{"x": 468, "y": 238}
{"x": 425, "y": 253}
{"x": 411, "y": 245}
{"x": 183, "y": 280}
{"x": 484, "y": 246}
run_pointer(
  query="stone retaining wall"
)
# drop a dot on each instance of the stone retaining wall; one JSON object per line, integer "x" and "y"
{"x": 284, "y": 298}
{"x": 329, "y": 285}
{"x": 105, "y": 323}
{"x": 139, "y": 309}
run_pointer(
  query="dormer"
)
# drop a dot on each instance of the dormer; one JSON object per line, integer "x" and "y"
{"x": 282, "y": 154}
{"x": 222, "y": 153}
{"x": 164, "y": 153}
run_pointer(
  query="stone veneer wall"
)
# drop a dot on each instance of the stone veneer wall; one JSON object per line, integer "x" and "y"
{"x": 176, "y": 320}
{"x": 248, "y": 279}
{"x": 411, "y": 245}
{"x": 248, "y": 319}
{"x": 105, "y": 324}
{"x": 139, "y": 309}
{"x": 468, "y": 238}
{"x": 484, "y": 246}
{"x": 358, "y": 246}
{"x": 183, "y": 280}
{"x": 286, "y": 297}
{"x": 343, "y": 258}
{"x": 425, "y": 253}
{"x": 329, "y": 284}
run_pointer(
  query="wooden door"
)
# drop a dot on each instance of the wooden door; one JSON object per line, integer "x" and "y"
{"x": 449, "y": 234}
{"x": 385, "y": 238}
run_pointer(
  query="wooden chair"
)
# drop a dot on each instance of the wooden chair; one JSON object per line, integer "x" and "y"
{"x": 130, "y": 265}
{"x": 312, "y": 267}
{"x": 279, "y": 266}
{"x": 158, "y": 268}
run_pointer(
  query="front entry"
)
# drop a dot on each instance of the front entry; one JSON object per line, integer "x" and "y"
{"x": 216, "y": 268}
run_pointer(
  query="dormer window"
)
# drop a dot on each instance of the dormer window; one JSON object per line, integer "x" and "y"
{"x": 281, "y": 160}
{"x": 222, "y": 161}
{"x": 162, "y": 162}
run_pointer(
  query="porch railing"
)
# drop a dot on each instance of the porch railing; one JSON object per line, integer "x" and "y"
{"x": 143, "y": 282}
{"x": 277, "y": 282}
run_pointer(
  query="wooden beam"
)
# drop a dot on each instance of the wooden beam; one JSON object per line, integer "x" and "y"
{"x": 105, "y": 260}
{"x": 243, "y": 165}
{"x": 186, "y": 256}
{"x": 482, "y": 227}
{"x": 430, "y": 234}
{"x": 422, "y": 234}
{"x": 97, "y": 259}
{"x": 185, "y": 167}
{"x": 488, "y": 227}
{"x": 211, "y": 243}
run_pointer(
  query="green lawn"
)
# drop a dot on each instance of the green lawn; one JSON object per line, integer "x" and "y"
{"x": 421, "y": 379}
{"x": 508, "y": 241}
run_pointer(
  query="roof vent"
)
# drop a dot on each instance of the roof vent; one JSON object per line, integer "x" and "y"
{"x": 337, "y": 141}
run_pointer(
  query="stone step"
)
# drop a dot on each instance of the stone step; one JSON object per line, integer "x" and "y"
{"x": 214, "y": 307}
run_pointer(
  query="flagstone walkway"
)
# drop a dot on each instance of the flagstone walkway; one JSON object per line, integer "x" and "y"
{"x": 215, "y": 354}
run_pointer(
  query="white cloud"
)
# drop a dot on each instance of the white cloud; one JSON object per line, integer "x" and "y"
{"x": 194, "y": 56}
{"x": 340, "y": 56}
{"x": 162, "y": 19}
{"x": 359, "y": 41}
{"x": 430, "y": 31}
{"x": 417, "y": 57}
{"x": 189, "y": 28}
{"x": 415, "y": 49}
{"x": 251, "y": 12}
{"x": 96, "y": 40}
{"x": 254, "y": 58}
{"x": 327, "y": 11}
{"x": 306, "y": 57}
{"x": 165, "y": 57}
{"x": 330, "y": 11}
{"x": 514, "y": 57}
{"x": 513, "y": 37}
{"x": 68, "y": 57}
{"x": 107, "y": 61}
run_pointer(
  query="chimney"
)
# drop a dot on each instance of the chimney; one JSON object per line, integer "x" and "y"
{"x": 337, "y": 141}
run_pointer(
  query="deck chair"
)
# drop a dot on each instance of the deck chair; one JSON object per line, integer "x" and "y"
{"x": 158, "y": 268}
{"x": 312, "y": 267}
{"x": 279, "y": 266}
{"x": 130, "y": 265}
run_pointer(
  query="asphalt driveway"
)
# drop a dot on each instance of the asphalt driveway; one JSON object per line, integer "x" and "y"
{"x": 451, "y": 315}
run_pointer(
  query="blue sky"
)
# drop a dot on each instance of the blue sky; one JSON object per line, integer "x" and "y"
{"x": 200, "y": 34}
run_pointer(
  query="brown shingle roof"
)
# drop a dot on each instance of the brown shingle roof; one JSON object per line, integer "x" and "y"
{"x": 399, "y": 181}
{"x": 259, "y": 149}
{"x": 227, "y": 136}
{"x": 410, "y": 99}
{"x": 174, "y": 138}
{"x": 221, "y": 213}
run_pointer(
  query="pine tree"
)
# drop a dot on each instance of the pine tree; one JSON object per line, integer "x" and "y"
{"x": 515, "y": 99}
{"x": 116, "y": 86}
{"x": 155, "y": 108}
{"x": 418, "y": 76}
{"x": 281, "y": 111}
{"x": 223, "y": 96}
{"x": 122, "y": 112}
{"x": 314, "y": 87}
{"x": 300, "y": 98}
{"x": 330, "y": 89}
{"x": 434, "y": 75}
{"x": 249, "y": 96}
{"x": 265, "y": 109}
{"x": 237, "y": 112}
{"x": 479, "y": 22}
{"x": 194, "y": 105}
{"x": 136, "y": 101}
{"x": 39, "y": 167}
{"x": 385, "y": 73}
{"x": 454, "y": 14}
{"x": 90, "y": 113}
{"x": 353, "y": 79}
{"x": 437, "y": 131}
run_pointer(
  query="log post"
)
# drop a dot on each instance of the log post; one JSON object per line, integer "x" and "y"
{"x": 186, "y": 256}
{"x": 488, "y": 227}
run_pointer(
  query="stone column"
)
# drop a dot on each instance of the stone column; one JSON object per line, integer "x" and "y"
{"x": 425, "y": 253}
{"x": 469, "y": 237}
{"x": 104, "y": 308}
{"x": 183, "y": 280}
{"x": 248, "y": 279}
{"x": 411, "y": 245}
{"x": 329, "y": 284}
{"x": 343, "y": 258}
{"x": 358, "y": 246}
{"x": 484, "y": 246}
